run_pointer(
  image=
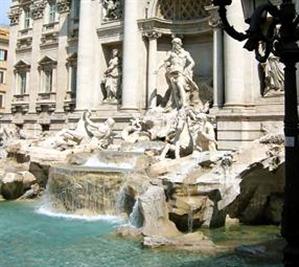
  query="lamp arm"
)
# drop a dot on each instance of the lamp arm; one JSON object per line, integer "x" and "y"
{"x": 229, "y": 29}
{"x": 296, "y": 22}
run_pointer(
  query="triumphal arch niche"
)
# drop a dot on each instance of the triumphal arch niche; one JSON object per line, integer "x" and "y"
{"x": 189, "y": 21}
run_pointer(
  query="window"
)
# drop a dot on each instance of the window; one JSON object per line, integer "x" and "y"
{"x": 74, "y": 79}
{"x": 45, "y": 127}
{"x": 48, "y": 80}
{"x": 52, "y": 12}
{"x": 3, "y": 55}
{"x": 1, "y": 101}
{"x": 27, "y": 19}
{"x": 22, "y": 82}
{"x": 1, "y": 77}
{"x": 76, "y": 8}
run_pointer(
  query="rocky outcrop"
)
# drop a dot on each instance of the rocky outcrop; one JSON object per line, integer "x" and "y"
{"x": 261, "y": 196}
{"x": 196, "y": 242}
{"x": 151, "y": 217}
{"x": 15, "y": 184}
{"x": 154, "y": 211}
{"x": 261, "y": 190}
{"x": 12, "y": 186}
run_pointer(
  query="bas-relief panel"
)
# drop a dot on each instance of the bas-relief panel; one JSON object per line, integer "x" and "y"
{"x": 201, "y": 52}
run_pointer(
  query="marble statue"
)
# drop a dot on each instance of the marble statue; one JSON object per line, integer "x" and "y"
{"x": 101, "y": 132}
{"x": 272, "y": 76}
{"x": 112, "y": 9}
{"x": 112, "y": 79}
{"x": 179, "y": 74}
{"x": 205, "y": 139}
{"x": 179, "y": 142}
{"x": 136, "y": 131}
{"x": 86, "y": 130}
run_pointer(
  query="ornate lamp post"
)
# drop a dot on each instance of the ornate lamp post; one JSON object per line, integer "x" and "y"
{"x": 274, "y": 29}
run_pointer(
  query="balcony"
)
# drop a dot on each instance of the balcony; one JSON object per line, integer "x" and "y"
{"x": 51, "y": 27}
{"x": 46, "y": 102}
{"x": 24, "y": 43}
{"x": 27, "y": 32}
{"x": 20, "y": 103}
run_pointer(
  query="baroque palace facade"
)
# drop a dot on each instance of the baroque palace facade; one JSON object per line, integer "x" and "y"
{"x": 66, "y": 56}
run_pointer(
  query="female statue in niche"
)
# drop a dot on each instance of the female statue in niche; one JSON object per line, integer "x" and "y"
{"x": 112, "y": 79}
{"x": 271, "y": 74}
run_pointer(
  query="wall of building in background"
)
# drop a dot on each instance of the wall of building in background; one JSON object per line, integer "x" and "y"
{"x": 4, "y": 40}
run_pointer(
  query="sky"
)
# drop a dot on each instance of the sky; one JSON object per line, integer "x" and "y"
{"x": 4, "y": 5}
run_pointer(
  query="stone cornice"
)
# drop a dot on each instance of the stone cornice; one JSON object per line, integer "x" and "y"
{"x": 110, "y": 30}
{"x": 190, "y": 27}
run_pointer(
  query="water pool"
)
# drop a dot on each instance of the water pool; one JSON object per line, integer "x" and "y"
{"x": 30, "y": 239}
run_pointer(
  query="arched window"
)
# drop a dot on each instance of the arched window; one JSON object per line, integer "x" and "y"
{"x": 182, "y": 9}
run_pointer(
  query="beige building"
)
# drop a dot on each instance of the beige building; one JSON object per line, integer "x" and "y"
{"x": 66, "y": 56}
{"x": 4, "y": 39}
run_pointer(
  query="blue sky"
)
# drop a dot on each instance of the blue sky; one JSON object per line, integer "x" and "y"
{"x": 4, "y": 5}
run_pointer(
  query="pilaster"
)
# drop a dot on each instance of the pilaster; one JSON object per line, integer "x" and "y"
{"x": 86, "y": 95}
{"x": 218, "y": 64}
{"x": 152, "y": 65}
{"x": 130, "y": 92}
{"x": 34, "y": 77}
{"x": 62, "y": 73}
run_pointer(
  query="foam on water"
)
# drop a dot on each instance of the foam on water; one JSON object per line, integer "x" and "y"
{"x": 48, "y": 212}
{"x": 94, "y": 162}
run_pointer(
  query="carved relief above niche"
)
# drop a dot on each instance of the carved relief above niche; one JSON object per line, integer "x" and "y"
{"x": 113, "y": 9}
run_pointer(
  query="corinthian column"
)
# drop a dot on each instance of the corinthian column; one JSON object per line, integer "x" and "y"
{"x": 130, "y": 92}
{"x": 85, "y": 95}
{"x": 218, "y": 66}
{"x": 152, "y": 65}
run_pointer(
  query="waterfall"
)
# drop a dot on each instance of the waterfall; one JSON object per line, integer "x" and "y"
{"x": 83, "y": 191}
{"x": 135, "y": 218}
{"x": 190, "y": 219}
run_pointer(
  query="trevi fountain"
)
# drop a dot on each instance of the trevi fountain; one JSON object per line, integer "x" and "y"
{"x": 156, "y": 193}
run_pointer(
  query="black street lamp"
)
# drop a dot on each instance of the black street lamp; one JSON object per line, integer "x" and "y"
{"x": 274, "y": 29}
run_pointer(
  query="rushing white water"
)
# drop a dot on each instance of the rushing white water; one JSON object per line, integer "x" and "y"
{"x": 94, "y": 162}
{"x": 135, "y": 218}
{"x": 48, "y": 212}
{"x": 190, "y": 221}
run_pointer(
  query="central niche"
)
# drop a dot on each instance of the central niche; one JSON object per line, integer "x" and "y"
{"x": 182, "y": 9}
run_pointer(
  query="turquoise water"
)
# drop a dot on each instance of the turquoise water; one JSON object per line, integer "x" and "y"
{"x": 29, "y": 239}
